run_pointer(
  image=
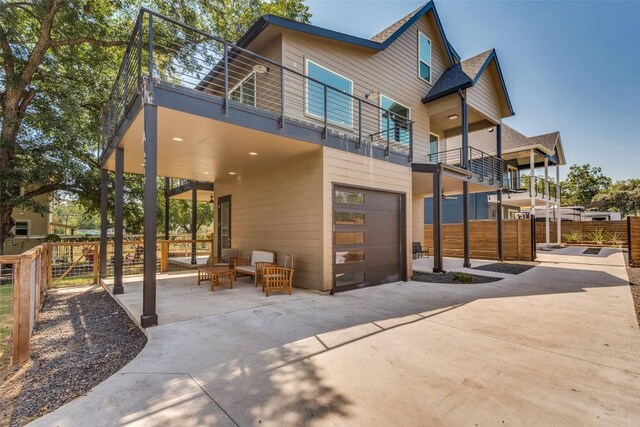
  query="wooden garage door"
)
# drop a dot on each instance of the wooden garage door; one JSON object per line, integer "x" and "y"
{"x": 368, "y": 237}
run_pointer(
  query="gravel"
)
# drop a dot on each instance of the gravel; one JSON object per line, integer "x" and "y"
{"x": 506, "y": 267}
{"x": 634, "y": 282}
{"x": 82, "y": 337}
{"x": 448, "y": 278}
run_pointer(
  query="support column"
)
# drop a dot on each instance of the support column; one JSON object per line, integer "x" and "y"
{"x": 437, "y": 221}
{"x": 499, "y": 191}
{"x": 532, "y": 182}
{"x": 558, "y": 206}
{"x": 464, "y": 154}
{"x": 194, "y": 220}
{"x": 149, "y": 316}
{"x": 547, "y": 220}
{"x": 118, "y": 223}
{"x": 104, "y": 221}
{"x": 167, "y": 184}
{"x": 465, "y": 223}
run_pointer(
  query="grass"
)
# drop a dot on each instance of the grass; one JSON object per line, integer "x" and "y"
{"x": 6, "y": 302}
{"x": 462, "y": 277}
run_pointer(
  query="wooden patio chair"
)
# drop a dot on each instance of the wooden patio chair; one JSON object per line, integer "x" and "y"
{"x": 253, "y": 266}
{"x": 278, "y": 278}
{"x": 226, "y": 258}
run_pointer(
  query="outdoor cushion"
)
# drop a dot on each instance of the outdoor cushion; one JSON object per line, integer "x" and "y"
{"x": 261, "y": 256}
{"x": 251, "y": 269}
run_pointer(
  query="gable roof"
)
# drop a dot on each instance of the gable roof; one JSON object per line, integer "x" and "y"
{"x": 378, "y": 43}
{"x": 464, "y": 75}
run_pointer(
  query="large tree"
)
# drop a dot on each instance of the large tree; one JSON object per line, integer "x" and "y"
{"x": 58, "y": 60}
{"x": 623, "y": 196}
{"x": 582, "y": 184}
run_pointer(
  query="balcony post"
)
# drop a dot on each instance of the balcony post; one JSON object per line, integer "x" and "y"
{"x": 194, "y": 219}
{"x": 167, "y": 220}
{"x": 325, "y": 110}
{"x": 465, "y": 223}
{"x": 281, "y": 97}
{"x": 104, "y": 220}
{"x": 546, "y": 203}
{"x": 498, "y": 171}
{"x": 359, "y": 145}
{"x": 118, "y": 223}
{"x": 386, "y": 151}
{"x": 149, "y": 316}
{"x": 532, "y": 184}
{"x": 558, "y": 206}
{"x": 226, "y": 79}
{"x": 437, "y": 221}
{"x": 464, "y": 153}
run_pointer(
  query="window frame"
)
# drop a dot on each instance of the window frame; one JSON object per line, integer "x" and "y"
{"x": 239, "y": 86}
{"x": 420, "y": 33}
{"x": 438, "y": 137}
{"x": 382, "y": 110}
{"x": 21, "y": 236}
{"x": 308, "y": 113}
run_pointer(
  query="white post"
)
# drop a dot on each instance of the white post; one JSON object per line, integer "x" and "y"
{"x": 532, "y": 183}
{"x": 547, "y": 222}
{"x": 558, "y": 204}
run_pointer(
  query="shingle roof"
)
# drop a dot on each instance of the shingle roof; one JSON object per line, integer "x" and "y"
{"x": 388, "y": 32}
{"x": 459, "y": 76}
{"x": 548, "y": 140}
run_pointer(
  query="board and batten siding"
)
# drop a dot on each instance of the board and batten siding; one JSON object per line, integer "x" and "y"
{"x": 279, "y": 208}
{"x": 349, "y": 169}
{"x": 483, "y": 96}
{"x": 393, "y": 72}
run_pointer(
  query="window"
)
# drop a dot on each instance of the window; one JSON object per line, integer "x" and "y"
{"x": 349, "y": 218}
{"x": 433, "y": 147}
{"x": 424, "y": 57}
{"x": 339, "y": 102}
{"x": 349, "y": 256}
{"x": 512, "y": 178}
{"x": 349, "y": 197}
{"x": 22, "y": 228}
{"x": 245, "y": 91}
{"x": 396, "y": 117}
{"x": 349, "y": 237}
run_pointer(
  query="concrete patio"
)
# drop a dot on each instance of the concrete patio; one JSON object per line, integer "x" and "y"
{"x": 556, "y": 345}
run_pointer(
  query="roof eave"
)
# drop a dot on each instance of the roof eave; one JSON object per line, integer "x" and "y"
{"x": 429, "y": 98}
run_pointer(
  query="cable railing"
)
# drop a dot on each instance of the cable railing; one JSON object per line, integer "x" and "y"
{"x": 162, "y": 51}
{"x": 483, "y": 165}
{"x": 542, "y": 188}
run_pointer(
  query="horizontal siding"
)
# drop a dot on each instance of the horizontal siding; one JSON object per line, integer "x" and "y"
{"x": 483, "y": 96}
{"x": 393, "y": 72}
{"x": 359, "y": 171}
{"x": 279, "y": 208}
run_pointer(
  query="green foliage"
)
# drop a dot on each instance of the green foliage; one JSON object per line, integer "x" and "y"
{"x": 582, "y": 184}
{"x": 623, "y": 196}
{"x": 599, "y": 236}
{"x": 52, "y": 238}
{"x": 462, "y": 277}
{"x": 573, "y": 237}
{"x": 615, "y": 239}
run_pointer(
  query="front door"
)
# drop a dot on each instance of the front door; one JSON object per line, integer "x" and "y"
{"x": 224, "y": 223}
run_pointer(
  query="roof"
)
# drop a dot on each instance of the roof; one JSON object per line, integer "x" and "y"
{"x": 378, "y": 43}
{"x": 466, "y": 74}
{"x": 548, "y": 140}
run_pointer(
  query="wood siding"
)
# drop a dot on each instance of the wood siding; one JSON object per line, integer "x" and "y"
{"x": 483, "y": 96}
{"x": 483, "y": 239}
{"x": 393, "y": 72}
{"x": 360, "y": 171}
{"x": 38, "y": 228}
{"x": 279, "y": 208}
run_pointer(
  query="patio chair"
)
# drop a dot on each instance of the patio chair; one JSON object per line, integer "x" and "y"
{"x": 278, "y": 278}
{"x": 417, "y": 250}
{"x": 253, "y": 266}
{"x": 226, "y": 258}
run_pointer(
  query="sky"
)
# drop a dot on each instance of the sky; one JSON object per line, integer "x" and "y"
{"x": 571, "y": 66}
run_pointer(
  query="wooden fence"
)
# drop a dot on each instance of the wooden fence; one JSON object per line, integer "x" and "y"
{"x": 583, "y": 227}
{"x": 483, "y": 239}
{"x": 633, "y": 234}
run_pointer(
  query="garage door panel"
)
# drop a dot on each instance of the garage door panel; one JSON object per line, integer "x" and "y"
{"x": 383, "y": 237}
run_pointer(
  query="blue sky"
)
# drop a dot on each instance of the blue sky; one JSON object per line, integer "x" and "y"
{"x": 572, "y": 66}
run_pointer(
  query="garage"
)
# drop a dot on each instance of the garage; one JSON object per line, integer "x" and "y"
{"x": 368, "y": 237}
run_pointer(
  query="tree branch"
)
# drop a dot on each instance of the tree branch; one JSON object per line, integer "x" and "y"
{"x": 7, "y": 53}
{"x": 88, "y": 40}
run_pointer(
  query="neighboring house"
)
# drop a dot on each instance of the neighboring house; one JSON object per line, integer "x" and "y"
{"x": 518, "y": 195}
{"x": 30, "y": 229}
{"x": 580, "y": 213}
{"x": 319, "y": 144}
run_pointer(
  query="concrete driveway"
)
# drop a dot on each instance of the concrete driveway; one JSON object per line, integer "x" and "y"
{"x": 557, "y": 345}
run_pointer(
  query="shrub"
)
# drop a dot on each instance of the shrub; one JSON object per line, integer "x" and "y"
{"x": 52, "y": 238}
{"x": 573, "y": 237}
{"x": 462, "y": 277}
{"x": 615, "y": 239}
{"x": 599, "y": 236}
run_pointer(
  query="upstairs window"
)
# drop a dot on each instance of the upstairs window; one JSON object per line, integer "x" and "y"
{"x": 22, "y": 229}
{"x": 245, "y": 91}
{"x": 339, "y": 102}
{"x": 397, "y": 117}
{"x": 424, "y": 57}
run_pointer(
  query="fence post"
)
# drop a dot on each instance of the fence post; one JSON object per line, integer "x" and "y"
{"x": 21, "y": 311}
{"x": 96, "y": 264}
{"x": 164, "y": 256}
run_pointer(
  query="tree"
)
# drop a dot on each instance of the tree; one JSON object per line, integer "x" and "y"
{"x": 57, "y": 67}
{"x": 582, "y": 184}
{"x": 623, "y": 196}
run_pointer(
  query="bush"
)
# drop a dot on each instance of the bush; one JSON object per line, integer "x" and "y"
{"x": 599, "y": 236}
{"x": 615, "y": 239}
{"x": 52, "y": 238}
{"x": 462, "y": 277}
{"x": 573, "y": 237}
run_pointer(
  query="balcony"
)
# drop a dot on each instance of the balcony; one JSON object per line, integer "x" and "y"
{"x": 481, "y": 165}
{"x": 164, "y": 57}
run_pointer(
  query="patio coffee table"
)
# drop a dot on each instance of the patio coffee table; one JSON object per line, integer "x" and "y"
{"x": 218, "y": 276}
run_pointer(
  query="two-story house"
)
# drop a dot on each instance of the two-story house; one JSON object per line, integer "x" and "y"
{"x": 320, "y": 144}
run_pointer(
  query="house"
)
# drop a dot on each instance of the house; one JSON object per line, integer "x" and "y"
{"x": 30, "y": 228}
{"x": 319, "y": 144}
{"x": 518, "y": 195}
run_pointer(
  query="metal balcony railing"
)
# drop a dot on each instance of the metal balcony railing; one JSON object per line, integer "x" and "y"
{"x": 542, "y": 188}
{"x": 483, "y": 165}
{"x": 164, "y": 51}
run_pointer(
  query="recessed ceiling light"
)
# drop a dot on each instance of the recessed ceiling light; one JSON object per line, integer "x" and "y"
{"x": 141, "y": 164}
{"x": 177, "y": 139}
{"x": 206, "y": 173}
{"x": 453, "y": 117}
{"x": 253, "y": 153}
{"x": 232, "y": 173}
